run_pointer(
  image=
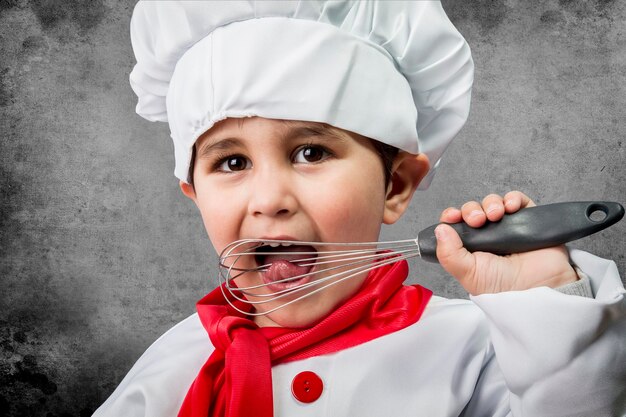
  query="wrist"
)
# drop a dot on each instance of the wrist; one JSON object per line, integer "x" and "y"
{"x": 567, "y": 276}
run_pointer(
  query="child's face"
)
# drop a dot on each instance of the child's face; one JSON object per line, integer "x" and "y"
{"x": 269, "y": 179}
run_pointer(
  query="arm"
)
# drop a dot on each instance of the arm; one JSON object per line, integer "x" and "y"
{"x": 555, "y": 354}
{"x": 558, "y": 354}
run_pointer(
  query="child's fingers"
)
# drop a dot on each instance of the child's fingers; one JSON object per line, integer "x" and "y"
{"x": 473, "y": 214}
{"x": 451, "y": 215}
{"x": 452, "y": 256}
{"x": 515, "y": 200}
{"x": 493, "y": 206}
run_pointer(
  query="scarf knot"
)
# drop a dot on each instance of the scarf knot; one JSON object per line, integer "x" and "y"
{"x": 225, "y": 328}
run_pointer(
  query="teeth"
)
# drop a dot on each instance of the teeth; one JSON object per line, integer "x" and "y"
{"x": 277, "y": 244}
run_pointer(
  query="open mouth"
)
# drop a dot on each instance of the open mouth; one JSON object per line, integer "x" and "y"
{"x": 285, "y": 265}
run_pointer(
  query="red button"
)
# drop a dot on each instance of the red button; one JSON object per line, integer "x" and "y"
{"x": 307, "y": 387}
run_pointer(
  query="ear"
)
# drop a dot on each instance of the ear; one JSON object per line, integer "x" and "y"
{"x": 407, "y": 171}
{"x": 188, "y": 190}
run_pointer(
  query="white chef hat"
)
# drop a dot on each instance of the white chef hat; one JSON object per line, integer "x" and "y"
{"x": 397, "y": 72}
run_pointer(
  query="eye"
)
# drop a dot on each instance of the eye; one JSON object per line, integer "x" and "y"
{"x": 233, "y": 164}
{"x": 310, "y": 154}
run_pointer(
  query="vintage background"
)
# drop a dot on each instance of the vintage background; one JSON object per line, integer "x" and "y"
{"x": 99, "y": 251}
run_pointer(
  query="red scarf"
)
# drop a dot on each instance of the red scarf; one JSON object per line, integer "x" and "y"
{"x": 236, "y": 380}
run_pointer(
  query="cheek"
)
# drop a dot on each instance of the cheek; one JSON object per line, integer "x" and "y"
{"x": 351, "y": 207}
{"x": 219, "y": 216}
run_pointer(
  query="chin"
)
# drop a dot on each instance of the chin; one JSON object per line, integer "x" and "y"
{"x": 312, "y": 309}
{"x": 292, "y": 318}
{"x": 304, "y": 313}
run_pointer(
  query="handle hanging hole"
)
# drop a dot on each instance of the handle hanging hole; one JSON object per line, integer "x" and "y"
{"x": 597, "y": 213}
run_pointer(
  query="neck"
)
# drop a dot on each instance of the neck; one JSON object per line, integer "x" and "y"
{"x": 265, "y": 321}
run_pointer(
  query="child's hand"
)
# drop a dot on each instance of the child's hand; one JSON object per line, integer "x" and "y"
{"x": 482, "y": 272}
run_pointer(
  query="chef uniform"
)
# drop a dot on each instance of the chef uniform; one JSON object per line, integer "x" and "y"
{"x": 534, "y": 353}
{"x": 399, "y": 73}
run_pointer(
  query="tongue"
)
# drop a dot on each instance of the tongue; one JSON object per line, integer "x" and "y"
{"x": 283, "y": 264}
{"x": 282, "y": 269}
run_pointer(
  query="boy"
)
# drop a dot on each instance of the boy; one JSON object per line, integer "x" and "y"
{"x": 277, "y": 112}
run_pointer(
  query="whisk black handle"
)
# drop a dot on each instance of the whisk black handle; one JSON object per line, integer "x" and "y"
{"x": 530, "y": 228}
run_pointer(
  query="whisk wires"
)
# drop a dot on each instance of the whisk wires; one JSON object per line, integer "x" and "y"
{"x": 326, "y": 267}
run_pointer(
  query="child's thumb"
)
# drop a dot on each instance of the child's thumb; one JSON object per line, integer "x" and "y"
{"x": 451, "y": 254}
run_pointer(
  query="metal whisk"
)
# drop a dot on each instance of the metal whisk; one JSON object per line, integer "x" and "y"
{"x": 358, "y": 258}
{"x": 332, "y": 263}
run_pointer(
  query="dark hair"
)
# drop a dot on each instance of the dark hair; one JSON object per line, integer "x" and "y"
{"x": 387, "y": 153}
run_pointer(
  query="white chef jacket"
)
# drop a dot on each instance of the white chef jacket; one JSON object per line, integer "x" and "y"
{"x": 531, "y": 353}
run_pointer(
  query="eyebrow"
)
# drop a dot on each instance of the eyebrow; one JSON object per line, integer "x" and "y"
{"x": 219, "y": 145}
{"x": 308, "y": 131}
{"x": 297, "y": 132}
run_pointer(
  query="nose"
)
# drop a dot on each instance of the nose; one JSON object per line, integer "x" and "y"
{"x": 272, "y": 194}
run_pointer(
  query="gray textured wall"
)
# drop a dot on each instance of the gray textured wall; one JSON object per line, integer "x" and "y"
{"x": 100, "y": 253}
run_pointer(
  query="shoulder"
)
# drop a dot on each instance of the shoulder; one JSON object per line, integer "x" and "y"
{"x": 445, "y": 324}
{"x": 158, "y": 382}
{"x": 454, "y": 313}
{"x": 455, "y": 321}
